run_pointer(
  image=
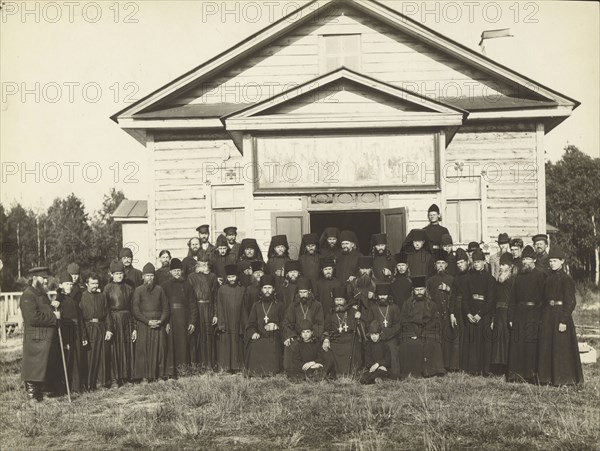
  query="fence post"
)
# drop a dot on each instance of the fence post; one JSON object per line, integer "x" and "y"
{"x": 3, "y": 302}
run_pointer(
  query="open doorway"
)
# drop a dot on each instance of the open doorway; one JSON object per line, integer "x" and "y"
{"x": 363, "y": 223}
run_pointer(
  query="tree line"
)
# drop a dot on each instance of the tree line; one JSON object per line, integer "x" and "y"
{"x": 573, "y": 206}
{"x": 63, "y": 234}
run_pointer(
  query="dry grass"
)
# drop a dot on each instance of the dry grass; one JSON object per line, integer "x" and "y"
{"x": 217, "y": 411}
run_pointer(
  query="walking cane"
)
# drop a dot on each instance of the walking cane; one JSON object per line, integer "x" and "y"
{"x": 352, "y": 349}
{"x": 62, "y": 353}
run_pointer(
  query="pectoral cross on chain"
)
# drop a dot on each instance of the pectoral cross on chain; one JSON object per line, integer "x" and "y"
{"x": 345, "y": 328}
{"x": 266, "y": 318}
{"x": 385, "y": 323}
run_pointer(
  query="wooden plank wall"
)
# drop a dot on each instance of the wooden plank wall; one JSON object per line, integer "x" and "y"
{"x": 183, "y": 198}
{"x": 294, "y": 59}
{"x": 509, "y": 153}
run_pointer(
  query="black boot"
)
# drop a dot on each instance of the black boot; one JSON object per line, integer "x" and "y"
{"x": 30, "y": 390}
{"x": 34, "y": 390}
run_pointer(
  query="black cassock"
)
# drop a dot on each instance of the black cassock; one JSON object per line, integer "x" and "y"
{"x": 559, "y": 362}
{"x": 120, "y": 346}
{"x": 500, "y": 333}
{"x": 203, "y": 341}
{"x": 345, "y": 335}
{"x": 95, "y": 311}
{"x": 478, "y": 298}
{"x": 524, "y": 312}
{"x": 401, "y": 289}
{"x": 277, "y": 264}
{"x": 376, "y": 353}
{"x": 420, "y": 345}
{"x": 389, "y": 319}
{"x": 304, "y": 352}
{"x": 420, "y": 262}
{"x": 74, "y": 333}
{"x": 323, "y": 292}
{"x": 347, "y": 265}
{"x": 381, "y": 262}
{"x": 39, "y": 336}
{"x": 264, "y": 355}
{"x": 312, "y": 310}
{"x": 150, "y": 303}
{"x": 184, "y": 312}
{"x": 309, "y": 267}
{"x": 439, "y": 287}
{"x": 230, "y": 326}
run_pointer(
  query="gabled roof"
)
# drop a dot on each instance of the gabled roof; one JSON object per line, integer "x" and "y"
{"x": 417, "y": 110}
{"x": 131, "y": 211}
{"x": 312, "y": 9}
{"x": 155, "y": 111}
{"x": 344, "y": 73}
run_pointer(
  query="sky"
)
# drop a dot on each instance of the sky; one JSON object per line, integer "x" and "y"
{"x": 66, "y": 67}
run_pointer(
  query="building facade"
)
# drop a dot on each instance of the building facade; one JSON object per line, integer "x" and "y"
{"x": 347, "y": 114}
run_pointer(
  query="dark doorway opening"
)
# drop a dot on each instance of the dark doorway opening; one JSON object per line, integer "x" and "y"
{"x": 363, "y": 223}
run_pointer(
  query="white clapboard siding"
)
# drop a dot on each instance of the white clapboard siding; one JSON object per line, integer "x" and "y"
{"x": 387, "y": 54}
{"x": 183, "y": 173}
{"x": 511, "y": 185}
{"x": 163, "y": 214}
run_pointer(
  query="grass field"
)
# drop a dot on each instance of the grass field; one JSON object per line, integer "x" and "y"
{"x": 218, "y": 411}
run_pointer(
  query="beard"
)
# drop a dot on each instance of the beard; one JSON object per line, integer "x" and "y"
{"x": 266, "y": 296}
{"x": 419, "y": 297}
{"x": 380, "y": 252}
{"x": 363, "y": 281}
{"x": 504, "y": 275}
{"x": 527, "y": 267}
{"x": 383, "y": 302}
{"x": 39, "y": 285}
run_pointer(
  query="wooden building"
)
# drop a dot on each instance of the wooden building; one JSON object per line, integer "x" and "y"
{"x": 133, "y": 217}
{"x": 345, "y": 113}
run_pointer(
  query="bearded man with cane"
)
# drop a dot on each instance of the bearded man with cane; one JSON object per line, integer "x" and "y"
{"x": 40, "y": 324}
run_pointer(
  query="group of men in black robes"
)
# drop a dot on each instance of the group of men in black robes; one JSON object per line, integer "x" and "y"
{"x": 429, "y": 309}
